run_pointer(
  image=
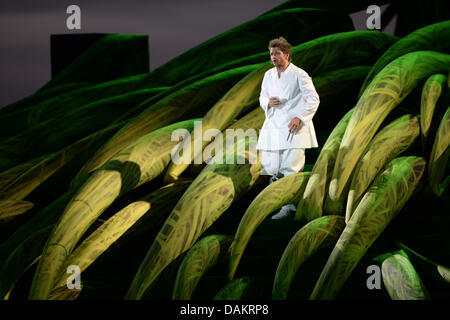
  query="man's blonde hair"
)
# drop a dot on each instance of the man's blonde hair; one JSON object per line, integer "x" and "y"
{"x": 282, "y": 44}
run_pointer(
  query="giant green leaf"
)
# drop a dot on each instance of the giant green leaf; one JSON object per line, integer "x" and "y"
{"x": 387, "y": 144}
{"x": 439, "y": 154}
{"x": 284, "y": 191}
{"x": 212, "y": 192}
{"x": 310, "y": 205}
{"x": 204, "y": 255}
{"x": 386, "y": 196}
{"x": 434, "y": 37}
{"x": 431, "y": 92}
{"x": 385, "y": 92}
{"x": 138, "y": 163}
{"x": 320, "y": 233}
{"x": 401, "y": 279}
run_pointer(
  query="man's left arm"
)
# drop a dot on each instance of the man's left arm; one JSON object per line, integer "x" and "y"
{"x": 308, "y": 102}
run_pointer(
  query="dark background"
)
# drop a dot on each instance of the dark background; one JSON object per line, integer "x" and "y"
{"x": 173, "y": 27}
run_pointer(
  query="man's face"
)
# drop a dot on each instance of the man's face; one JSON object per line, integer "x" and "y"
{"x": 278, "y": 58}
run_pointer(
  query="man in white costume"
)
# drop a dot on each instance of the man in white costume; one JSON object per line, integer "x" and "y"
{"x": 289, "y": 100}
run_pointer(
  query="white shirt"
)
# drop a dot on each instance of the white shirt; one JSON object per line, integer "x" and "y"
{"x": 295, "y": 89}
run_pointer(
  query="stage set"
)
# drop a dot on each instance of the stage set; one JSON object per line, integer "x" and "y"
{"x": 121, "y": 183}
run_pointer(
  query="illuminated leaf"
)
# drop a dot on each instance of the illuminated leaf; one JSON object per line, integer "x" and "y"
{"x": 386, "y": 196}
{"x": 390, "y": 86}
{"x": 207, "y": 198}
{"x": 205, "y": 254}
{"x": 311, "y": 203}
{"x": 439, "y": 154}
{"x": 284, "y": 191}
{"x": 387, "y": 144}
{"x": 320, "y": 233}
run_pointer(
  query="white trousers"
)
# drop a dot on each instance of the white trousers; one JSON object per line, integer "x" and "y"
{"x": 285, "y": 161}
